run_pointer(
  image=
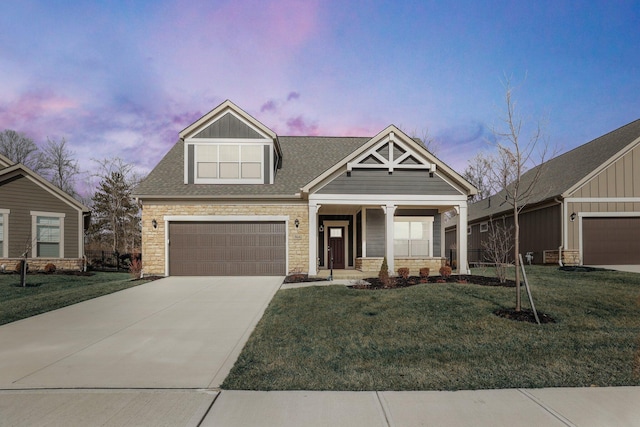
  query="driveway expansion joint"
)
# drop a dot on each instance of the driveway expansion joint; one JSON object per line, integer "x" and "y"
{"x": 550, "y": 410}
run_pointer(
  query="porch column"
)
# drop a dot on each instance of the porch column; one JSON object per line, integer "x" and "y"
{"x": 462, "y": 239}
{"x": 389, "y": 210}
{"x": 313, "y": 239}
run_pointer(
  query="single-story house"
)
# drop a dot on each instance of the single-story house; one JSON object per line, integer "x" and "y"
{"x": 38, "y": 218}
{"x": 233, "y": 198}
{"x": 585, "y": 210}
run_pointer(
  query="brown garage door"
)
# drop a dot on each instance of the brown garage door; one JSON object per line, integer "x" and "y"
{"x": 611, "y": 241}
{"x": 227, "y": 249}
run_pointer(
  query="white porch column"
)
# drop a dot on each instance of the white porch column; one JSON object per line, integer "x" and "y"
{"x": 462, "y": 239}
{"x": 389, "y": 210}
{"x": 313, "y": 238}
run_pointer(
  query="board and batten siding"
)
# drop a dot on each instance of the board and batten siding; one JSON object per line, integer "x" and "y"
{"x": 619, "y": 179}
{"x": 399, "y": 182}
{"x": 375, "y": 229}
{"x": 228, "y": 126}
{"x": 21, "y": 196}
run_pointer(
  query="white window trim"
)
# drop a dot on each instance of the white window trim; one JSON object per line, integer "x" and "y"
{"x": 484, "y": 227}
{"x": 198, "y": 142}
{"x": 468, "y": 230}
{"x": 34, "y": 231}
{"x": 5, "y": 231}
{"x": 429, "y": 219}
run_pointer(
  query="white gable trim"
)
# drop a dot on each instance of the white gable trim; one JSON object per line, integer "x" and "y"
{"x": 215, "y": 114}
{"x": 390, "y": 163}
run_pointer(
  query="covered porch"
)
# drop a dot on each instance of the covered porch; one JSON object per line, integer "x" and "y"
{"x": 353, "y": 238}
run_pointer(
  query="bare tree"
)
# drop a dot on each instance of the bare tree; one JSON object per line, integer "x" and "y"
{"x": 59, "y": 166}
{"x": 477, "y": 173}
{"x": 430, "y": 143}
{"x": 516, "y": 150}
{"x": 498, "y": 246}
{"x": 20, "y": 148}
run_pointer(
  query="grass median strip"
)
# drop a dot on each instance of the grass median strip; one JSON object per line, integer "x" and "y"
{"x": 446, "y": 337}
{"x": 46, "y": 292}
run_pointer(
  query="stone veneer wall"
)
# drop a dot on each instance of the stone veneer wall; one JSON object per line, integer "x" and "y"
{"x": 413, "y": 264}
{"x": 569, "y": 257}
{"x": 153, "y": 240}
{"x": 37, "y": 264}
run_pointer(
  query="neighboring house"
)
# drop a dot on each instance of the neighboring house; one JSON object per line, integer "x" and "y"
{"x": 38, "y": 218}
{"x": 233, "y": 198}
{"x": 586, "y": 207}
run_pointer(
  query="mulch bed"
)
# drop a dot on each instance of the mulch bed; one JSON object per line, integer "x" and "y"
{"x": 400, "y": 282}
{"x": 524, "y": 315}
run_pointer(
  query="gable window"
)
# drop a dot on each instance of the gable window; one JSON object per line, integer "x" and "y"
{"x": 484, "y": 227}
{"x": 229, "y": 163}
{"x": 413, "y": 236}
{"x": 4, "y": 221}
{"x": 48, "y": 232}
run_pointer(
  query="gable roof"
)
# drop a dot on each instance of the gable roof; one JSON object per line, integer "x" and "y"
{"x": 20, "y": 169}
{"x": 5, "y": 161}
{"x": 303, "y": 159}
{"x": 565, "y": 173}
{"x": 392, "y": 133}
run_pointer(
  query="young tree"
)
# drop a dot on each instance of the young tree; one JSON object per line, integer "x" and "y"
{"x": 498, "y": 246}
{"x": 20, "y": 148}
{"x": 59, "y": 166}
{"x": 516, "y": 150}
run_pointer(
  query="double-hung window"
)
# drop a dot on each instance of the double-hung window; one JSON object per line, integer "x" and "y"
{"x": 48, "y": 232}
{"x": 229, "y": 163}
{"x": 413, "y": 236}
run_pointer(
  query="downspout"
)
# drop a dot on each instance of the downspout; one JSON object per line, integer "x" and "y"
{"x": 562, "y": 216}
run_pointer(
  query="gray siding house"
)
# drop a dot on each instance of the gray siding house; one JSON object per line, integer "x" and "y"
{"x": 233, "y": 198}
{"x": 586, "y": 209}
{"x": 40, "y": 219}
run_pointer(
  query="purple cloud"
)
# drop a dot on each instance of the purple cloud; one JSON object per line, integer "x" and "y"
{"x": 293, "y": 95}
{"x": 268, "y": 106}
{"x": 299, "y": 126}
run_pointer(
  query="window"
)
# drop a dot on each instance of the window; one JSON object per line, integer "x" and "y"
{"x": 469, "y": 230}
{"x": 48, "y": 229}
{"x": 335, "y": 233}
{"x": 413, "y": 236}
{"x": 229, "y": 163}
{"x": 484, "y": 227}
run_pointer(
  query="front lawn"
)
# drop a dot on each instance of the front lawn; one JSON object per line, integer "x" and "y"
{"x": 46, "y": 292}
{"x": 446, "y": 337}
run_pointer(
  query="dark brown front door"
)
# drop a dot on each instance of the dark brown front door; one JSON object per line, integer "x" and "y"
{"x": 336, "y": 247}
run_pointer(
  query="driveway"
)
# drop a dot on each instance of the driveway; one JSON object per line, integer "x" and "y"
{"x": 171, "y": 333}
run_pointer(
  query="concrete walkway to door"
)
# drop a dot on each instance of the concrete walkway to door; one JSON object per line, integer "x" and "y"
{"x": 177, "y": 332}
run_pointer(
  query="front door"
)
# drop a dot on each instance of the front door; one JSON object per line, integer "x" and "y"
{"x": 336, "y": 247}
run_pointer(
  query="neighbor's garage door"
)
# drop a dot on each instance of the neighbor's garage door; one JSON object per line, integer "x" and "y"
{"x": 227, "y": 249}
{"x": 611, "y": 241}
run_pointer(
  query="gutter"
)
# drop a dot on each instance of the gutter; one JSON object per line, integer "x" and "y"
{"x": 562, "y": 227}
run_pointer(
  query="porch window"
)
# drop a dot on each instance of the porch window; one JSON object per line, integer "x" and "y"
{"x": 413, "y": 236}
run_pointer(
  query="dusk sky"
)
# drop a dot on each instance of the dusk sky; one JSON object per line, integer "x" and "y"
{"x": 122, "y": 78}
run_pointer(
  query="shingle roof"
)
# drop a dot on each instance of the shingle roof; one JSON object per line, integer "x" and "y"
{"x": 564, "y": 171}
{"x": 303, "y": 159}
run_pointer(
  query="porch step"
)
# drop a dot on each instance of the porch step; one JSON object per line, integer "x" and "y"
{"x": 347, "y": 274}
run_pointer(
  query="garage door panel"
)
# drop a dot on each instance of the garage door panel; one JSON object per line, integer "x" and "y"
{"x": 227, "y": 248}
{"x": 611, "y": 240}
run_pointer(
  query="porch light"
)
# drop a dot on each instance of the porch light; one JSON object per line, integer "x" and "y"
{"x": 154, "y": 223}
{"x": 573, "y": 217}
{"x": 297, "y": 222}
{"x": 321, "y": 228}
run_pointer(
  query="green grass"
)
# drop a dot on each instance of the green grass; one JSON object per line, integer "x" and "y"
{"x": 445, "y": 337}
{"x": 46, "y": 292}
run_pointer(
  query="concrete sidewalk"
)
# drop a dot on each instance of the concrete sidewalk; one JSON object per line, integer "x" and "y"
{"x": 583, "y": 407}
